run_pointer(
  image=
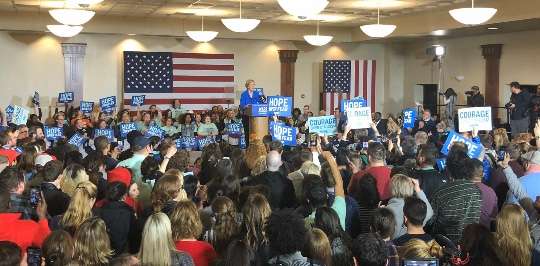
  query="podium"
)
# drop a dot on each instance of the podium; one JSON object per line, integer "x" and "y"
{"x": 258, "y": 125}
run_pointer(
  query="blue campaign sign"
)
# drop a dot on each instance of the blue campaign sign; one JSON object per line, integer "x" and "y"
{"x": 154, "y": 131}
{"x": 354, "y": 103}
{"x": 283, "y": 133}
{"x": 65, "y": 97}
{"x": 137, "y": 100}
{"x": 76, "y": 140}
{"x": 474, "y": 150}
{"x": 260, "y": 90}
{"x": 441, "y": 164}
{"x": 107, "y": 132}
{"x": 35, "y": 99}
{"x": 234, "y": 129}
{"x": 53, "y": 133}
{"x": 259, "y": 110}
{"x": 125, "y": 128}
{"x": 107, "y": 103}
{"x": 19, "y": 115}
{"x": 280, "y": 106}
{"x": 323, "y": 125}
{"x": 9, "y": 112}
{"x": 203, "y": 141}
{"x": 188, "y": 143}
{"x": 409, "y": 117}
{"x": 86, "y": 107}
{"x": 243, "y": 142}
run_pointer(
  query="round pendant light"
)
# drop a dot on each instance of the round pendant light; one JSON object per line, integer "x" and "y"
{"x": 202, "y": 35}
{"x": 84, "y": 2}
{"x": 472, "y": 15}
{"x": 64, "y": 31}
{"x": 303, "y": 9}
{"x": 318, "y": 40}
{"x": 378, "y": 30}
{"x": 72, "y": 17}
{"x": 240, "y": 24}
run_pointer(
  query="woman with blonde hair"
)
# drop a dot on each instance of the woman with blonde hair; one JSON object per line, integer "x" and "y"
{"x": 513, "y": 237}
{"x": 255, "y": 150}
{"x": 73, "y": 175}
{"x": 186, "y": 229}
{"x": 255, "y": 212}
{"x": 402, "y": 187}
{"x": 259, "y": 166}
{"x": 79, "y": 209}
{"x": 92, "y": 244}
{"x": 157, "y": 246}
{"x": 420, "y": 249}
{"x": 500, "y": 138}
{"x": 224, "y": 226}
{"x": 318, "y": 247}
{"x": 182, "y": 195}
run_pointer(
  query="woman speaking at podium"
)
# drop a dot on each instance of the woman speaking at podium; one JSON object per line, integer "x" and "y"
{"x": 249, "y": 97}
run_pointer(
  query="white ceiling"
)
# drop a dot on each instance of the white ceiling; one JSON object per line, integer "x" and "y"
{"x": 338, "y": 13}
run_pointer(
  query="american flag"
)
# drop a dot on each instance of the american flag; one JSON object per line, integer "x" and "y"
{"x": 346, "y": 79}
{"x": 199, "y": 81}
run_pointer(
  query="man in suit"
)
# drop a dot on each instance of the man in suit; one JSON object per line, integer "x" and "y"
{"x": 382, "y": 124}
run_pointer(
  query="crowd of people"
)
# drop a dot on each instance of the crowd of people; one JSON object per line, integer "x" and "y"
{"x": 370, "y": 197}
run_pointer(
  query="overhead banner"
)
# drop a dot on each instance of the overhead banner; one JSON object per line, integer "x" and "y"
{"x": 280, "y": 106}
{"x": 323, "y": 125}
{"x": 359, "y": 117}
{"x": 65, "y": 97}
{"x": 409, "y": 117}
{"x": 283, "y": 133}
{"x": 352, "y": 103}
{"x": 478, "y": 118}
{"x": 474, "y": 150}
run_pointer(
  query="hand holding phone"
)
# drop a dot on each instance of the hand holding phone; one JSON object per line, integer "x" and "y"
{"x": 35, "y": 196}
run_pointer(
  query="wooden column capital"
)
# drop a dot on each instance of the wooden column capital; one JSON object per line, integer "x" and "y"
{"x": 287, "y": 59}
{"x": 288, "y": 56}
{"x": 492, "y": 51}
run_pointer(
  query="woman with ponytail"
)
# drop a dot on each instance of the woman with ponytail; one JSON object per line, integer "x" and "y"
{"x": 419, "y": 249}
{"x": 224, "y": 224}
{"x": 79, "y": 209}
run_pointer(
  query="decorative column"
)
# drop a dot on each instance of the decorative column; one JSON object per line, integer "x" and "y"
{"x": 492, "y": 54}
{"x": 287, "y": 59}
{"x": 74, "y": 68}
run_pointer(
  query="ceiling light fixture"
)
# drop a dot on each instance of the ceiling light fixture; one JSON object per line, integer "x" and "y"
{"x": 72, "y": 17}
{"x": 64, "y": 31}
{"x": 303, "y": 9}
{"x": 202, "y": 35}
{"x": 318, "y": 40}
{"x": 438, "y": 32}
{"x": 240, "y": 24}
{"x": 378, "y": 30}
{"x": 84, "y": 2}
{"x": 472, "y": 15}
{"x": 492, "y": 28}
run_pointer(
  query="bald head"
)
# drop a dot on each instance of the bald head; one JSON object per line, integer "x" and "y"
{"x": 273, "y": 161}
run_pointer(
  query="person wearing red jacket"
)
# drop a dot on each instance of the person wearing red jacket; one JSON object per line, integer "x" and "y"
{"x": 24, "y": 233}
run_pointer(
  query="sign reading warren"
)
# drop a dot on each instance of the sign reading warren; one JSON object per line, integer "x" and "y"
{"x": 283, "y": 133}
{"x": 352, "y": 103}
{"x": 107, "y": 104}
{"x": 478, "y": 118}
{"x": 474, "y": 150}
{"x": 359, "y": 117}
{"x": 259, "y": 110}
{"x": 65, "y": 97}
{"x": 137, "y": 100}
{"x": 53, "y": 133}
{"x": 409, "y": 117}
{"x": 280, "y": 106}
{"x": 323, "y": 125}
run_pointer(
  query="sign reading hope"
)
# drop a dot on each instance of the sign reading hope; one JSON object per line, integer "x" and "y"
{"x": 107, "y": 132}
{"x": 283, "y": 133}
{"x": 478, "y": 118}
{"x": 234, "y": 129}
{"x": 409, "y": 117}
{"x": 137, "y": 100}
{"x": 280, "y": 106}
{"x": 359, "y": 117}
{"x": 125, "y": 128}
{"x": 65, "y": 97}
{"x": 76, "y": 140}
{"x": 86, "y": 107}
{"x": 352, "y": 103}
{"x": 53, "y": 133}
{"x": 107, "y": 103}
{"x": 323, "y": 125}
{"x": 473, "y": 150}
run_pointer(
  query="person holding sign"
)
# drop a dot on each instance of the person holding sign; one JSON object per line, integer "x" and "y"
{"x": 249, "y": 97}
{"x": 208, "y": 128}
{"x": 176, "y": 110}
{"x": 170, "y": 129}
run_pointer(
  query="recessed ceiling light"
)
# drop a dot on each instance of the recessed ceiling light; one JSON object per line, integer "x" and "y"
{"x": 493, "y": 28}
{"x": 438, "y": 32}
{"x": 132, "y": 34}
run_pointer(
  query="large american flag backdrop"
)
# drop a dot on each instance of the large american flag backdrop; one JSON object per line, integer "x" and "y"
{"x": 346, "y": 79}
{"x": 199, "y": 81}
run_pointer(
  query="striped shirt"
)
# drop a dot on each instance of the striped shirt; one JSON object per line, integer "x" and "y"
{"x": 455, "y": 205}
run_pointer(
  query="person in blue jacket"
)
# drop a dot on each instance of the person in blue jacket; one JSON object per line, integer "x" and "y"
{"x": 249, "y": 97}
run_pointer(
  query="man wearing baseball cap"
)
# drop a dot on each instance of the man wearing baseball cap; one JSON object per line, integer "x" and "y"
{"x": 141, "y": 149}
{"x": 519, "y": 109}
{"x": 531, "y": 180}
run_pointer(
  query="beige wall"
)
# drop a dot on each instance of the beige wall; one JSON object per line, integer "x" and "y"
{"x": 34, "y": 62}
{"x": 520, "y": 61}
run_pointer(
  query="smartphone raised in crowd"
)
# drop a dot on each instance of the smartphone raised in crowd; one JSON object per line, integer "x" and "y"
{"x": 33, "y": 257}
{"x": 35, "y": 196}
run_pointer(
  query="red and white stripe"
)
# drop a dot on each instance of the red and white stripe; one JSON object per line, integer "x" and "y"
{"x": 363, "y": 73}
{"x": 200, "y": 81}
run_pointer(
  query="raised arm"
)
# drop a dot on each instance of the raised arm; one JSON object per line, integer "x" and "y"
{"x": 335, "y": 173}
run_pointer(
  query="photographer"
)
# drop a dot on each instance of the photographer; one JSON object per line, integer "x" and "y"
{"x": 474, "y": 98}
{"x": 519, "y": 109}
